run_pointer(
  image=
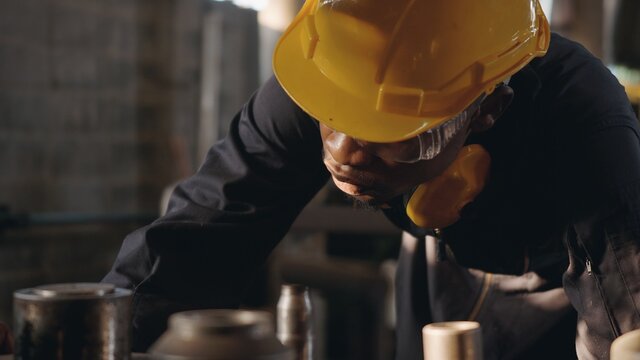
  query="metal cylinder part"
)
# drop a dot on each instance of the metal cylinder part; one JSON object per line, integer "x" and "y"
{"x": 294, "y": 320}
{"x": 220, "y": 334}
{"x": 78, "y": 321}
{"x": 453, "y": 340}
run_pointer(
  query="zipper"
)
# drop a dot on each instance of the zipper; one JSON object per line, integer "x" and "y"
{"x": 441, "y": 246}
{"x": 589, "y": 267}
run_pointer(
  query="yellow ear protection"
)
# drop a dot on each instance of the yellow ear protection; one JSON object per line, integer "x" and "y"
{"x": 438, "y": 202}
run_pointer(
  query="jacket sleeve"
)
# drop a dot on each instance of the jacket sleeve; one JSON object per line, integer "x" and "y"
{"x": 599, "y": 172}
{"x": 603, "y": 278}
{"x": 223, "y": 221}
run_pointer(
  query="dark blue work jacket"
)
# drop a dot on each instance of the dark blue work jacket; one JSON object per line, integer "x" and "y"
{"x": 562, "y": 202}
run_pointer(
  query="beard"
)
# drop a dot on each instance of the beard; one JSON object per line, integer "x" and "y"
{"x": 362, "y": 204}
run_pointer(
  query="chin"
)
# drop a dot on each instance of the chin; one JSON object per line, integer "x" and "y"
{"x": 365, "y": 198}
{"x": 367, "y": 202}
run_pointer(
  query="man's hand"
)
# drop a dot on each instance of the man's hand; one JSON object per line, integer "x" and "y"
{"x": 6, "y": 340}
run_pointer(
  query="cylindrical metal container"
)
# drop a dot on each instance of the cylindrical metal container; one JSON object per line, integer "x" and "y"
{"x": 75, "y": 321}
{"x": 454, "y": 340}
{"x": 218, "y": 335}
{"x": 294, "y": 320}
{"x": 626, "y": 346}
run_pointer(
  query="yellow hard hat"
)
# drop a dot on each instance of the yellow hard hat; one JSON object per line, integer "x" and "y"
{"x": 385, "y": 71}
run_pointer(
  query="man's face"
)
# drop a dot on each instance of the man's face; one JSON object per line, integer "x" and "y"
{"x": 373, "y": 180}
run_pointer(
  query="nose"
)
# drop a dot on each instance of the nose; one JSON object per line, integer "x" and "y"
{"x": 346, "y": 150}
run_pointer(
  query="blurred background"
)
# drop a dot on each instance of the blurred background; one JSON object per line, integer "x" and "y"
{"x": 105, "y": 104}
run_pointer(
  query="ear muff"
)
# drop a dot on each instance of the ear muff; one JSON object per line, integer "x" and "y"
{"x": 437, "y": 203}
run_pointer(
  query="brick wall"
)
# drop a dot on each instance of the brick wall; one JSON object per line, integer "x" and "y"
{"x": 96, "y": 98}
{"x": 98, "y": 113}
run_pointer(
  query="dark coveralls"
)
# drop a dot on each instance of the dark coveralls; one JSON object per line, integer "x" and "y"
{"x": 547, "y": 257}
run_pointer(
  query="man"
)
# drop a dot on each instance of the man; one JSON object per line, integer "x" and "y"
{"x": 529, "y": 225}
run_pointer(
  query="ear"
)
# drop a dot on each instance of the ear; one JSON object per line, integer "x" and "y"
{"x": 492, "y": 108}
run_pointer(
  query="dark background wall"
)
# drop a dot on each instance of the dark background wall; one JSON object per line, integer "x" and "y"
{"x": 99, "y": 112}
{"x": 95, "y": 98}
